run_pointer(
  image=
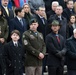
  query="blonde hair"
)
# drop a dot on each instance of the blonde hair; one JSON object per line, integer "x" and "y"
{"x": 29, "y": 7}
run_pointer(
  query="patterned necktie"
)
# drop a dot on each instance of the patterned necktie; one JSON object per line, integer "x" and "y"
{"x": 43, "y": 20}
{"x": 21, "y": 22}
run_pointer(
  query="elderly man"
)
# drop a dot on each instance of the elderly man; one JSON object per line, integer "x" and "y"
{"x": 52, "y": 12}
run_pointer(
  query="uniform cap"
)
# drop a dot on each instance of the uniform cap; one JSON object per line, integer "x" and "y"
{"x": 33, "y": 21}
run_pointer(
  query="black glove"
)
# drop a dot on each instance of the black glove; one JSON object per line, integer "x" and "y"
{"x": 59, "y": 54}
{"x": 63, "y": 52}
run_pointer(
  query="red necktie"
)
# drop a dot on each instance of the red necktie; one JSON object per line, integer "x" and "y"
{"x": 58, "y": 39}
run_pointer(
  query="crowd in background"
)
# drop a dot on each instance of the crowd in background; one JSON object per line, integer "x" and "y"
{"x": 20, "y": 20}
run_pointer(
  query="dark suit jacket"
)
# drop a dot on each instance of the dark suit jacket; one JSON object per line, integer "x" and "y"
{"x": 54, "y": 47}
{"x": 14, "y": 57}
{"x": 42, "y": 27}
{"x": 49, "y": 13}
{"x": 15, "y": 24}
{"x": 11, "y": 14}
{"x": 71, "y": 53}
{"x": 67, "y": 13}
{"x": 2, "y": 64}
{"x": 69, "y": 31}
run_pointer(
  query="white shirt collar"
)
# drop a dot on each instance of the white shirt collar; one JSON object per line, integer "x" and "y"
{"x": 19, "y": 18}
{"x": 73, "y": 25}
{"x": 15, "y": 42}
{"x": 59, "y": 16}
{"x": 5, "y": 7}
{"x": 40, "y": 16}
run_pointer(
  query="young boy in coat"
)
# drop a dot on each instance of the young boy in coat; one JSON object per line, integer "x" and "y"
{"x": 14, "y": 55}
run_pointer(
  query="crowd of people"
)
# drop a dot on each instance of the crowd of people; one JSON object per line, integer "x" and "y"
{"x": 40, "y": 33}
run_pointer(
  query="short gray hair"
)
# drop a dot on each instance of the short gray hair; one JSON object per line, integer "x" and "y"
{"x": 55, "y": 2}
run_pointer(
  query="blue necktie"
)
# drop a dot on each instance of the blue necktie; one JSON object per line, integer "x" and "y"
{"x": 21, "y": 22}
{"x": 43, "y": 20}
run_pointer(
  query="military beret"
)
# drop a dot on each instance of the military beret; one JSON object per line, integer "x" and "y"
{"x": 55, "y": 22}
{"x": 33, "y": 21}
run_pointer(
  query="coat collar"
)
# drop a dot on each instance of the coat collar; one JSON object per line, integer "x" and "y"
{"x": 12, "y": 44}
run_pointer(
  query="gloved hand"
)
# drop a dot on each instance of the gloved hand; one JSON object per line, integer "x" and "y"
{"x": 59, "y": 54}
{"x": 63, "y": 52}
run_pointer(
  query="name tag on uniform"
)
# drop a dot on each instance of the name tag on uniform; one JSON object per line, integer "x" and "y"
{"x": 32, "y": 37}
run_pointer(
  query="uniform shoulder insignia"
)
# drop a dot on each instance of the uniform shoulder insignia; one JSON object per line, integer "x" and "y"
{"x": 23, "y": 36}
{"x": 25, "y": 42}
{"x": 32, "y": 36}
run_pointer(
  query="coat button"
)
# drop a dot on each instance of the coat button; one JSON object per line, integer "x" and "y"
{"x": 15, "y": 67}
{"x": 19, "y": 67}
{"x": 15, "y": 60}
{"x": 19, "y": 54}
{"x": 33, "y": 51}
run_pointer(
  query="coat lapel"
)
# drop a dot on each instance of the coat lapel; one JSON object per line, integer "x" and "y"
{"x": 60, "y": 42}
{"x": 14, "y": 49}
{"x": 18, "y": 23}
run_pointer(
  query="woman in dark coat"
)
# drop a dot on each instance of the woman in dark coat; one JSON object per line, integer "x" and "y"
{"x": 28, "y": 15}
{"x": 71, "y": 26}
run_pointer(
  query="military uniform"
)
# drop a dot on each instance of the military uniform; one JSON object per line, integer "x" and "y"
{"x": 3, "y": 34}
{"x": 3, "y": 28}
{"x": 33, "y": 44}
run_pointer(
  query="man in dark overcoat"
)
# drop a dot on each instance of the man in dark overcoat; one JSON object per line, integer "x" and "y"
{"x": 56, "y": 50}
